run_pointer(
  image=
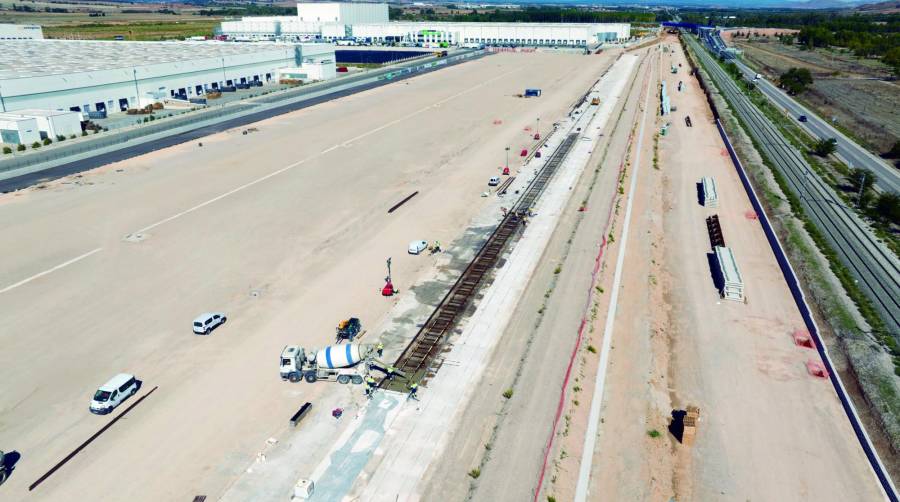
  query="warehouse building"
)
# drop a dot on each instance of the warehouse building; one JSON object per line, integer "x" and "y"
{"x": 21, "y": 32}
{"x": 93, "y": 76}
{"x": 369, "y": 23}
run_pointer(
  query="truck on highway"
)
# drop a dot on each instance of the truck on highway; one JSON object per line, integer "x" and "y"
{"x": 335, "y": 363}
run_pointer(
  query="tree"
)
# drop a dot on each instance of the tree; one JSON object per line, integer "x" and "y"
{"x": 825, "y": 147}
{"x": 887, "y": 207}
{"x": 796, "y": 80}
{"x": 892, "y": 59}
{"x": 894, "y": 152}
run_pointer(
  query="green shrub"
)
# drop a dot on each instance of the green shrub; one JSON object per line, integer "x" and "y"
{"x": 21, "y": 147}
{"x": 653, "y": 433}
{"x": 474, "y": 473}
{"x": 508, "y": 393}
{"x": 47, "y": 141}
{"x": 7, "y": 149}
{"x": 36, "y": 145}
{"x": 592, "y": 349}
{"x": 60, "y": 137}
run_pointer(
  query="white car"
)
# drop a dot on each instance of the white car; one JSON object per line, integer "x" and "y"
{"x": 416, "y": 247}
{"x": 113, "y": 393}
{"x": 205, "y": 323}
{"x": 494, "y": 181}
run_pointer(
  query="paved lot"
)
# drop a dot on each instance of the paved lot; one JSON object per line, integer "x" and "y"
{"x": 285, "y": 229}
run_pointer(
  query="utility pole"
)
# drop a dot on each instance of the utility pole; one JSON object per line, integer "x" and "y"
{"x": 507, "y": 158}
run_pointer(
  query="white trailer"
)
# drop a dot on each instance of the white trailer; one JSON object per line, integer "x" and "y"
{"x": 732, "y": 282}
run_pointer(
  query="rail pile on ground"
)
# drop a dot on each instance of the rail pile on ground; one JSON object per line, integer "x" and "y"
{"x": 423, "y": 347}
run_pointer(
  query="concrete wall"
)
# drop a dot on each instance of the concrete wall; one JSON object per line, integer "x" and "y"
{"x": 21, "y": 32}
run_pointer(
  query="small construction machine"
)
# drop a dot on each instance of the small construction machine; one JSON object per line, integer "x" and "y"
{"x": 348, "y": 329}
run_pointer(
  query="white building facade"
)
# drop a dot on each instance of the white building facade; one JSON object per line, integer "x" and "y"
{"x": 96, "y": 76}
{"x": 369, "y": 22}
{"x": 21, "y": 32}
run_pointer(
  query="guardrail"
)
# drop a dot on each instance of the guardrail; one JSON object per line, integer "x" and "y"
{"x": 106, "y": 142}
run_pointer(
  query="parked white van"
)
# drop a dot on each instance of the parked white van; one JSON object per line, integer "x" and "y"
{"x": 113, "y": 393}
{"x": 416, "y": 247}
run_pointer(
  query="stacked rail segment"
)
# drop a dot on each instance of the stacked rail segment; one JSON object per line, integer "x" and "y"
{"x": 433, "y": 334}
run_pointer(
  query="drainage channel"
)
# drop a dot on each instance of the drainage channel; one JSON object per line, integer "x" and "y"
{"x": 434, "y": 333}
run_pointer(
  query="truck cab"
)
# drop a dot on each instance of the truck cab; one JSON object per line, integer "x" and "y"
{"x": 291, "y": 365}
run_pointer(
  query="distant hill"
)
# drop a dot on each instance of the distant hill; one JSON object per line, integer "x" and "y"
{"x": 892, "y": 7}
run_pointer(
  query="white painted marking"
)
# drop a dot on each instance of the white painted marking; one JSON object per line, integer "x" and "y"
{"x": 590, "y": 435}
{"x": 323, "y": 152}
{"x": 49, "y": 271}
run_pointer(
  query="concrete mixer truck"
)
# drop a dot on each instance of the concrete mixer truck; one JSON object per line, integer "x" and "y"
{"x": 334, "y": 363}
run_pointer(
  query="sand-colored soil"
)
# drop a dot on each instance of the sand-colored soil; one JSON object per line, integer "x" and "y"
{"x": 285, "y": 229}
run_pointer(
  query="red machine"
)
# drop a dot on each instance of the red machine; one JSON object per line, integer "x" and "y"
{"x": 537, "y": 136}
{"x": 524, "y": 153}
{"x": 388, "y": 289}
{"x": 506, "y": 171}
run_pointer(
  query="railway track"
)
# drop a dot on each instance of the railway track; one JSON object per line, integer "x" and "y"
{"x": 874, "y": 268}
{"x": 434, "y": 333}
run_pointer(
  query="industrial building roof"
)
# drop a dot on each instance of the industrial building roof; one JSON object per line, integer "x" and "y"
{"x": 31, "y": 58}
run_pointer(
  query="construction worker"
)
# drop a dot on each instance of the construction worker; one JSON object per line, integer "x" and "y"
{"x": 379, "y": 348}
{"x": 391, "y": 371}
{"x": 370, "y": 386}
{"x": 413, "y": 388}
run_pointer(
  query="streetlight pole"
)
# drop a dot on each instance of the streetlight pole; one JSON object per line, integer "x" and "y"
{"x": 507, "y": 157}
{"x": 537, "y": 129}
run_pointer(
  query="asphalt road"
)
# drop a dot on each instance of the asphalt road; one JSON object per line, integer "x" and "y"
{"x": 853, "y": 154}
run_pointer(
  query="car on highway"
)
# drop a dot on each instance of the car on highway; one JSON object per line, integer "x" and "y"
{"x": 802, "y": 118}
{"x": 416, "y": 247}
{"x": 113, "y": 393}
{"x": 205, "y": 323}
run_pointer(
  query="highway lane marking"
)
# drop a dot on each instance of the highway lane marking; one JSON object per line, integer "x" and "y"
{"x": 323, "y": 152}
{"x": 590, "y": 435}
{"x": 49, "y": 271}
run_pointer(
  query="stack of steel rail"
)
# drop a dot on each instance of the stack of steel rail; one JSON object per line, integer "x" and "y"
{"x": 436, "y": 329}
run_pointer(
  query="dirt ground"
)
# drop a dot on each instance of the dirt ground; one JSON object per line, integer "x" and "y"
{"x": 285, "y": 229}
{"x": 768, "y": 430}
{"x": 850, "y": 90}
{"x": 533, "y": 354}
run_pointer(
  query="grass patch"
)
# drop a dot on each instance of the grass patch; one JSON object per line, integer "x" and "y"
{"x": 654, "y": 433}
{"x": 142, "y": 31}
{"x": 474, "y": 473}
{"x": 508, "y": 393}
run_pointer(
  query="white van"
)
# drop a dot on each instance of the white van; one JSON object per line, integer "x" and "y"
{"x": 416, "y": 247}
{"x": 494, "y": 181}
{"x": 112, "y": 393}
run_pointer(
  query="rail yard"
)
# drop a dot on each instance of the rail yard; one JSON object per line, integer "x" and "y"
{"x": 526, "y": 276}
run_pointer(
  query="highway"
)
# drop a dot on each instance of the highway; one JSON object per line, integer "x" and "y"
{"x": 849, "y": 151}
{"x": 875, "y": 268}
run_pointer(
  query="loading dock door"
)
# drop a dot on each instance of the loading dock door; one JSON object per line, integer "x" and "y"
{"x": 123, "y": 104}
{"x": 198, "y": 89}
